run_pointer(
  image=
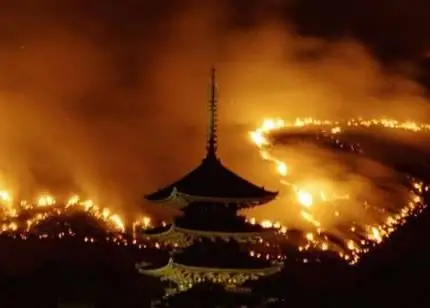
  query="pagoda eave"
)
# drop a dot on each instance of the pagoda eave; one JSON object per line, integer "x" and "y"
{"x": 179, "y": 200}
{"x": 172, "y": 270}
{"x": 185, "y": 276}
{"x": 170, "y": 237}
{"x": 171, "y": 199}
{"x": 178, "y": 236}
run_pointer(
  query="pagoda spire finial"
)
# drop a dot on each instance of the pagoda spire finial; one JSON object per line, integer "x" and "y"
{"x": 213, "y": 119}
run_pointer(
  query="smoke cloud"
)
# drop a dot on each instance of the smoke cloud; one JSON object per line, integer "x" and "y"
{"x": 109, "y": 98}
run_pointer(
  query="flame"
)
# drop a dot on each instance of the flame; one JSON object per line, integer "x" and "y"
{"x": 45, "y": 200}
{"x": 50, "y": 207}
{"x": 306, "y": 199}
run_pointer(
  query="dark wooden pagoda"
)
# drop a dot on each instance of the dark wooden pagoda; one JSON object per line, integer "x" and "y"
{"x": 210, "y": 197}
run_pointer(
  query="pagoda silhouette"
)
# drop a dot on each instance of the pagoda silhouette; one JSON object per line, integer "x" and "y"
{"x": 206, "y": 243}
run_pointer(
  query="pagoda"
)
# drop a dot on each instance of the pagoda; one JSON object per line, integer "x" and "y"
{"x": 205, "y": 242}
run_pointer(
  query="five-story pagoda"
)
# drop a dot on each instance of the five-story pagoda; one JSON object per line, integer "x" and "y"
{"x": 210, "y": 230}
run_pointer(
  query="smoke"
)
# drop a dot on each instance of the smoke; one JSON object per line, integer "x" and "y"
{"x": 347, "y": 189}
{"x": 109, "y": 99}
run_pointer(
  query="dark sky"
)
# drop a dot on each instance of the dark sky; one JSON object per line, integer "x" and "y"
{"x": 108, "y": 96}
{"x": 392, "y": 29}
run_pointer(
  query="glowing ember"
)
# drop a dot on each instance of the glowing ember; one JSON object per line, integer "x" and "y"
{"x": 4, "y": 196}
{"x": 358, "y": 243}
{"x": 305, "y": 198}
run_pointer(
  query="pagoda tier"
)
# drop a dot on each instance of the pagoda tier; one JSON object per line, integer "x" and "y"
{"x": 173, "y": 235}
{"x": 198, "y": 222}
{"x": 210, "y": 229}
{"x": 219, "y": 262}
{"x": 211, "y": 181}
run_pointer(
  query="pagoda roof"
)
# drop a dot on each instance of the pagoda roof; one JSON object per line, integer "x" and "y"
{"x": 173, "y": 266}
{"x": 246, "y": 236}
{"x": 185, "y": 276}
{"x": 212, "y": 181}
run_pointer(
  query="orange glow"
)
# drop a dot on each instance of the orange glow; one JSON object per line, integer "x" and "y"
{"x": 308, "y": 199}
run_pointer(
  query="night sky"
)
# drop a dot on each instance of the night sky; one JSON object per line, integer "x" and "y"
{"x": 108, "y": 97}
